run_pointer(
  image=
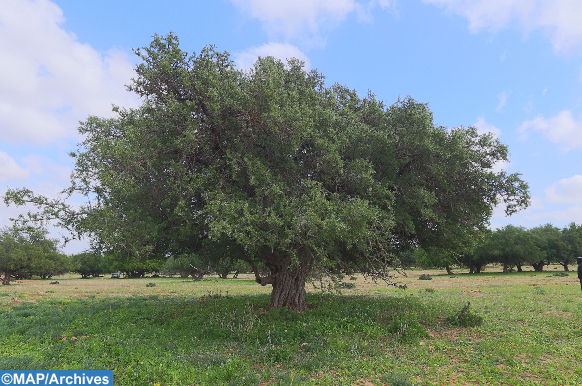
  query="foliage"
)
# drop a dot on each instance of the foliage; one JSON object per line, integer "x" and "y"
{"x": 90, "y": 264}
{"x": 430, "y": 258}
{"x": 465, "y": 317}
{"x": 424, "y": 276}
{"x": 569, "y": 245}
{"x": 27, "y": 252}
{"x": 278, "y": 169}
{"x": 395, "y": 379}
{"x": 516, "y": 246}
{"x": 130, "y": 264}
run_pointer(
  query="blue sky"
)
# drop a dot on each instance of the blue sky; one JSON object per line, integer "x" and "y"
{"x": 513, "y": 67}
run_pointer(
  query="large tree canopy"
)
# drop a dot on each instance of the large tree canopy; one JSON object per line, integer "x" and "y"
{"x": 279, "y": 170}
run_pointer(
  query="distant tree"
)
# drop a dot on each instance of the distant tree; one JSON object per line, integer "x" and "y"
{"x": 186, "y": 265}
{"x": 90, "y": 264}
{"x": 569, "y": 245}
{"x": 480, "y": 256}
{"x": 547, "y": 239}
{"x": 131, "y": 265}
{"x": 506, "y": 246}
{"x": 25, "y": 252}
{"x": 434, "y": 258}
{"x": 299, "y": 175}
{"x": 13, "y": 256}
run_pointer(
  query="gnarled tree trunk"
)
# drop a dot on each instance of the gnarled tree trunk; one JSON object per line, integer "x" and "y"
{"x": 6, "y": 278}
{"x": 538, "y": 267}
{"x": 288, "y": 281}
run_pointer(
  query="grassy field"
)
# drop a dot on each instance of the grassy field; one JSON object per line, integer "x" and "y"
{"x": 173, "y": 331}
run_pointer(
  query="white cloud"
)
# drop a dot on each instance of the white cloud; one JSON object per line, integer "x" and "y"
{"x": 561, "y": 19}
{"x": 499, "y": 219}
{"x": 385, "y": 3}
{"x": 566, "y": 191}
{"x": 502, "y": 100}
{"x": 563, "y": 217}
{"x": 43, "y": 166}
{"x": 10, "y": 170}
{"x": 293, "y": 18}
{"x": 562, "y": 128}
{"x": 48, "y": 80}
{"x": 484, "y": 127}
{"x": 245, "y": 60}
{"x": 307, "y": 18}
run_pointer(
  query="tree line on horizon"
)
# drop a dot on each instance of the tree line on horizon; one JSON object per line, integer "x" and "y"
{"x": 28, "y": 253}
{"x": 513, "y": 247}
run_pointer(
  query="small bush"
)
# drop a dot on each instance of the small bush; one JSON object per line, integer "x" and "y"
{"x": 54, "y": 282}
{"x": 406, "y": 328}
{"x": 395, "y": 379}
{"x": 424, "y": 276}
{"x": 429, "y": 290}
{"x": 465, "y": 318}
{"x": 539, "y": 291}
{"x": 286, "y": 379}
{"x": 561, "y": 274}
{"x": 150, "y": 284}
{"x": 347, "y": 285}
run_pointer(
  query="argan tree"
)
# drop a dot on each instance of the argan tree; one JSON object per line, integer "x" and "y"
{"x": 296, "y": 175}
{"x": 27, "y": 252}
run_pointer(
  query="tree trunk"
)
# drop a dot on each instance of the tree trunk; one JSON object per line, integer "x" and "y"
{"x": 6, "y": 279}
{"x": 288, "y": 282}
{"x": 289, "y": 290}
{"x": 538, "y": 267}
{"x": 505, "y": 270}
{"x": 478, "y": 268}
{"x": 449, "y": 270}
{"x": 566, "y": 267}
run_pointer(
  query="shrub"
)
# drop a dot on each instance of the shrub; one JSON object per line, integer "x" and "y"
{"x": 406, "y": 328}
{"x": 561, "y": 274}
{"x": 395, "y": 379}
{"x": 150, "y": 284}
{"x": 424, "y": 276}
{"x": 465, "y": 318}
{"x": 346, "y": 285}
{"x": 539, "y": 291}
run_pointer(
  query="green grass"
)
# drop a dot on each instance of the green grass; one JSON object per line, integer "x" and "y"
{"x": 194, "y": 333}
